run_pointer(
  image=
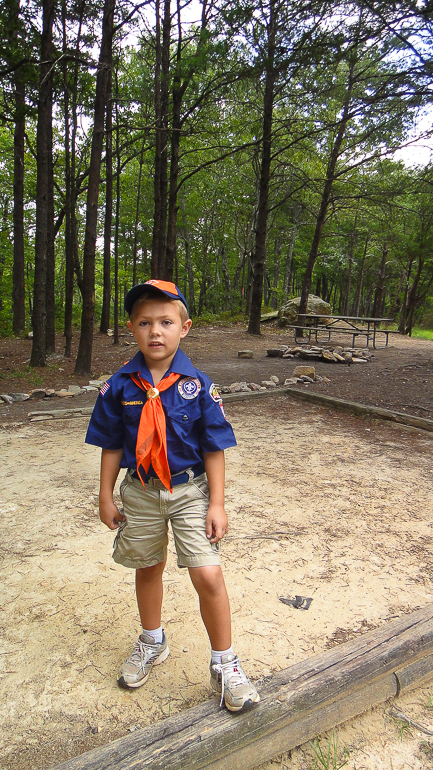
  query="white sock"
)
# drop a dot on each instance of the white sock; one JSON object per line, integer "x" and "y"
{"x": 216, "y": 655}
{"x": 156, "y": 633}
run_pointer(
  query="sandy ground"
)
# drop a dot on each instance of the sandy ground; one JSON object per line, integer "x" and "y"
{"x": 320, "y": 503}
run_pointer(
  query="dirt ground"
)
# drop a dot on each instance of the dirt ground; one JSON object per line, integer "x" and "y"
{"x": 321, "y": 503}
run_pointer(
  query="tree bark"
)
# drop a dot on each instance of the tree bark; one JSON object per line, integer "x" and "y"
{"x": 69, "y": 241}
{"x": 379, "y": 293}
{"x": 18, "y": 284}
{"x": 356, "y": 301}
{"x": 43, "y": 147}
{"x": 106, "y": 289}
{"x": 265, "y": 171}
{"x": 84, "y": 357}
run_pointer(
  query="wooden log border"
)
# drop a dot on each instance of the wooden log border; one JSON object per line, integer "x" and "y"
{"x": 376, "y": 413}
{"x": 297, "y": 704}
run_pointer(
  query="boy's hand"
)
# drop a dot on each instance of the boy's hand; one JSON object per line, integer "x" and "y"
{"x": 217, "y": 524}
{"x": 110, "y": 514}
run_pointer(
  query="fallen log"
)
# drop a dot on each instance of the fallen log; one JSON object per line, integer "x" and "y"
{"x": 297, "y": 704}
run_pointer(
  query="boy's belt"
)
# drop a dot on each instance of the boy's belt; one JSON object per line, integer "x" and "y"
{"x": 184, "y": 477}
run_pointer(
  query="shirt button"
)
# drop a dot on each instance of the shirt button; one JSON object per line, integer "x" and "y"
{"x": 185, "y": 418}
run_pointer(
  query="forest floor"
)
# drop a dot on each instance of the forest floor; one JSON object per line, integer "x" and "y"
{"x": 340, "y": 511}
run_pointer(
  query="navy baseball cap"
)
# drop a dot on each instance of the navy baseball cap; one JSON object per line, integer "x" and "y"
{"x": 153, "y": 287}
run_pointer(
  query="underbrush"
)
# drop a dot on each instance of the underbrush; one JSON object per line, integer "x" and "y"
{"x": 424, "y": 334}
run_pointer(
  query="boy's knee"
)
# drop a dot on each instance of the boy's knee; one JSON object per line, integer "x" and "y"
{"x": 150, "y": 573}
{"x": 209, "y": 579}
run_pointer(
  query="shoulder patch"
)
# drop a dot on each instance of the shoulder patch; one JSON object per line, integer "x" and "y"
{"x": 214, "y": 394}
{"x": 189, "y": 388}
{"x": 222, "y": 410}
{"x": 106, "y": 386}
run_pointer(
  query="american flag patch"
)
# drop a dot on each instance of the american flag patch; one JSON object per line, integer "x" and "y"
{"x": 106, "y": 386}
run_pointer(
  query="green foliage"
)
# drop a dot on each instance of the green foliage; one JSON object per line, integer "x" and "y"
{"x": 329, "y": 757}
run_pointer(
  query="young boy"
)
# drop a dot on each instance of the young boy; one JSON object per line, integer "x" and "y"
{"x": 163, "y": 420}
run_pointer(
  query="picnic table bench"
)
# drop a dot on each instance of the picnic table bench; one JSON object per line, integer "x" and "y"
{"x": 355, "y": 326}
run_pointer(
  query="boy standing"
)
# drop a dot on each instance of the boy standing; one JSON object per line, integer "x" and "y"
{"x": 163, "y": 420}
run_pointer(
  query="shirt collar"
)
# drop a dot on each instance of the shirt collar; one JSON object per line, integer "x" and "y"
{"x": 180, "y": 364}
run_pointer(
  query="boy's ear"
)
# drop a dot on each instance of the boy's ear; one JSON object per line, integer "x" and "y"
{"x": 129, "y": 324}
{"x": 185, "y": 328}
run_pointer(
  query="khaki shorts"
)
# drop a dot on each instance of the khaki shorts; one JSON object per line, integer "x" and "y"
{"x": 142, "y": 539}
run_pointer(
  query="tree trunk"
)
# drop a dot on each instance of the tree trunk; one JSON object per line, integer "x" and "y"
{"x": 84, "y": 357}
{"x": 190, "y": 275}
{"x": 402, "y": 324}
{"x": 18, "y": 285}
{"x": 162, "y": 77}
{"x": 350, "y": 266}
{"x": 326, "y": 194}
{"x": 69, "y": 240}
{"x": 288, "y": 272}
{"x": 356, "y": 301}
{"x": 277, "y": 257}
{"x": 378, "y": 296}
{"x": 39, "y": 318}
{"x": 137, "y": 218}
{"x": 50, "y": 329}
{"x": 116, "y": 228}
{"x": 265, "y": 171}
{"x": 106, "y": 290}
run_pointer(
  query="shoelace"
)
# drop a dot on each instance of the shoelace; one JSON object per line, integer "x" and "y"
{"x": 231, "y": 670}
{"x": 141, "y": 653}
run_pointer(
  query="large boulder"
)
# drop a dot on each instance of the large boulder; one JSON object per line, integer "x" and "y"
{"x": 288, "y": 313}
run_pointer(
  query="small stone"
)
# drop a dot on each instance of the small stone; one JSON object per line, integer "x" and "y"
{"x": 319, "y": 378}
{"x": 50, "y": 392}
{"x": 328, "y": 356}
{"x": 245, "y": 353}
{"x": 75, "y": 390}
{"x": 244, "y": 387}
{"x": 338, "y": 357}
{"x": 338, "y": 350}
{"x": 309, "y": 371}
{"x": 291, "y": 381}
{"x": 274, "y": 353}
{"x": 274, "y": 378}
{"x": 325, "y": 379}
{"x": 304, "y": 378}
{"x": 88, "y": 388}
{"x": 254, "y": 386}
{"x": 96, "y": 383}
{"x": 63, "y": 393}
{"x": 19, "y": 396}
{"x": 7, "y": 399}
{"x": 288, "y": 354}
{"x": 359, "y": 360}
{"x": 225, "y": 389}
{"x": 103, "y": 378}
{"x": 235, "y": 387}
{"x": 37, "y": 393}
{"x": 269, "y": 384}
{"x": 348, "y": 357}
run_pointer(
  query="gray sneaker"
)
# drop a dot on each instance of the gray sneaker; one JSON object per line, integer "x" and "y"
{"x": 229, "y": 679}
{"x": 136, "y": 669}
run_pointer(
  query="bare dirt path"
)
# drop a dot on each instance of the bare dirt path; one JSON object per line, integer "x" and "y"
{"x": 321, "y": 504}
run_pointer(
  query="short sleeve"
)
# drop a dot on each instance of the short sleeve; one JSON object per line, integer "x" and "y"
{"x": 106, "y": 426}
{"x": 216, "y": 433}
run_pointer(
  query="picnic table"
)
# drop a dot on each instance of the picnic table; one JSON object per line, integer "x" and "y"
{"x": 356, "y": 326}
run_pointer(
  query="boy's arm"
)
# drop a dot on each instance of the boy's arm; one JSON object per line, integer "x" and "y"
{"x": 216, "y": 519}
{"x": 110, "y": 467}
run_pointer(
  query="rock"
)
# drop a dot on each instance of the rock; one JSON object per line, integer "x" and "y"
{"x": 288, "y": 354}
{"x": 19, "y": 396}
{"x": 347, "y": 357}
{"x": 7, "y": 399}
{"x": 225, "y": 389}
{"x": 338, "y": 357}
{"x": 274, "y": 353}
{"x": 88, "y": 388}
{"x": 37, "y": 393}
{"x": 309, "y": 371}
{"x": 314, "y": 355}
{"x": 50, "y": 392}
{"x": 269, "y": 384}
{"x": 255, "y": 387}
{"x": 103, "y": 378}
{"x": 63, "y": 393}
{"x": 304, "y": 378}
{"x": 338, "y": 350}
{"x": 325, "y": 379}
{"x": 359, "y": 360}
{"x": 244, "y": 387}
{"x": 245, "y": 353}
{"x": 96, "y": 383}
{"x": 318, "y": 378}
{"x": 288, "y": 313}
{"x": 75, "y": 390}
{"x": 274, "y": 378}
{"x": 235, "y": 387}
{"x": 291, "y": 381}
{"x": 328, "y": 356}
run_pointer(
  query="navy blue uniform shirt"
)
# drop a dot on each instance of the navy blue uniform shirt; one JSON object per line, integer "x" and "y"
{"x": 193, "y": 410}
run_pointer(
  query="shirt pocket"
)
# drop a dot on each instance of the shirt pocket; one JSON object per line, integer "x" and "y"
{"x": 184, "y": 416}
{"x": 131, "y": 414}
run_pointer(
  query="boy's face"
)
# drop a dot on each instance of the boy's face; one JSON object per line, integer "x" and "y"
{"x": 158, "y": 328}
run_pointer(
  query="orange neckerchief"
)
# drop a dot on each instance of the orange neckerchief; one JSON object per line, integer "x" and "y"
{"x": 151, "y": 438}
